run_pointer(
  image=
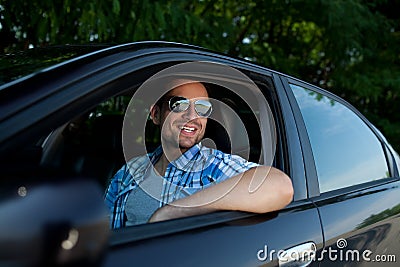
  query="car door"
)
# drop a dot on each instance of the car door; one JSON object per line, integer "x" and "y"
{"x": 357, "y": 176}
{"x": 38, "y": 105}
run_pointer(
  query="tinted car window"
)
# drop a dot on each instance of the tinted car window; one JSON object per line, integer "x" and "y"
{"x": 345, "y": 149}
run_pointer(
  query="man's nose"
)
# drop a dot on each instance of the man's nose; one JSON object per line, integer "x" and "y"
{"x": 190, "y": 113}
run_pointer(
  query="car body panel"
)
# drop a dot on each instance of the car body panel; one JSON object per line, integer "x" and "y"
{"x": 367, "y": 219}
{"x": 233, "y": 242}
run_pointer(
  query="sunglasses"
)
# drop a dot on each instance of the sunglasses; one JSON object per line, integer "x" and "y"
{"x": 179, "y": 104}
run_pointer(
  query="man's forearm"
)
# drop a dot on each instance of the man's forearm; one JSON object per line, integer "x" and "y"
{"x": 261, "y": 189}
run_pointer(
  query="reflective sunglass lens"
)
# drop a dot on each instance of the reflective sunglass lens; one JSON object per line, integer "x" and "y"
{"x": 179, "y": 104}
{"x": 203, "y": 108}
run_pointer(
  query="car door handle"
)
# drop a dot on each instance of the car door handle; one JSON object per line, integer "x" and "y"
{"x": 300, "y": 255}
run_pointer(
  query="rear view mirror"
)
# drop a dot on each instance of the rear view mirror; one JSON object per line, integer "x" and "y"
{"x": 53, "y": 224}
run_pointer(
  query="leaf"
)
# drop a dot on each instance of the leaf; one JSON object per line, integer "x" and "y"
{"x": 116, "y": 7}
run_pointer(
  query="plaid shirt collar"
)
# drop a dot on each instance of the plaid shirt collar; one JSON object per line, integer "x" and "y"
{"x": 188, "y": 161}
{"x": 185, "y": 160}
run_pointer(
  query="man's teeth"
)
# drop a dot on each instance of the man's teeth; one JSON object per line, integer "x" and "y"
{"x": 188, "y": 129}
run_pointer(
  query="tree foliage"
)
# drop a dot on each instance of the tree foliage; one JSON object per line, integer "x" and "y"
{"x": 348, "y": 47}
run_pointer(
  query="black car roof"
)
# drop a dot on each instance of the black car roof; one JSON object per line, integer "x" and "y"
{"x": 17, "y": 64}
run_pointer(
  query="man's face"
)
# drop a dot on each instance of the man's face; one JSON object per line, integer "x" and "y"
{"x": 182, "y": 129}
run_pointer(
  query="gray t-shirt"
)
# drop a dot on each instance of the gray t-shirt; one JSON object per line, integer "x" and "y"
{"x": 142, "y": 204}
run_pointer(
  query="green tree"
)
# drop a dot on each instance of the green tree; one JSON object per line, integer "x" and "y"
{"x": 348, "y": 47}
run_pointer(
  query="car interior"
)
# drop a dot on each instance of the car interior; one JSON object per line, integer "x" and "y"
{"x": 90, "y": 145}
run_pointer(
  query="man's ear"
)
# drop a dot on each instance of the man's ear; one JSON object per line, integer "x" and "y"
{"x": 155, "y": 114}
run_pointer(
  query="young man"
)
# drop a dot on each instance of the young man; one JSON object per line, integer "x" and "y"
{"x": 184, "y": 178}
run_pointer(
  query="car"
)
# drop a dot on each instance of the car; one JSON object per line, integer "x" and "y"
{"x": 65, "y": 129}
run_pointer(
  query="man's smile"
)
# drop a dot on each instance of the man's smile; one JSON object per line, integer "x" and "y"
{"x": 188, "y": 129}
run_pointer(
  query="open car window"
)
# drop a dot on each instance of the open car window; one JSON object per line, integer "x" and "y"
{"x": 91, "y": 143}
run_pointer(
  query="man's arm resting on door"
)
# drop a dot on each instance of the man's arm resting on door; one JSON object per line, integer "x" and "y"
{"x": 261, "y": 189}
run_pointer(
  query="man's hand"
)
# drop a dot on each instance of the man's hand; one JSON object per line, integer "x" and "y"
{"x": 259, "y": 190}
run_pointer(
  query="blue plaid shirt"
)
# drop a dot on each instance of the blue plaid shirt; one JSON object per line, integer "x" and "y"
{"x": 197, "y": 168}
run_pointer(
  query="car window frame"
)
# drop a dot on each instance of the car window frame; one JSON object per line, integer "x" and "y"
{"x": 106, "y": 75}
{"x": 141, "y": 232}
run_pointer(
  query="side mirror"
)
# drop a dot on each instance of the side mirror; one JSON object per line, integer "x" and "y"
{"x": 53, "y": 224}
